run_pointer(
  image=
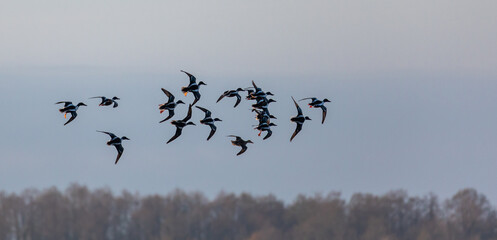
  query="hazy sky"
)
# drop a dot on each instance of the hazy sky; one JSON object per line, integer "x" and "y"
{"x": 413, "y": 85}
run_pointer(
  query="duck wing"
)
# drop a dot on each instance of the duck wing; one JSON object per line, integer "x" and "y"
{"x": 207, "y": 112}
{"x": 213, "y": 130}
{"x": 120, "y": 151}
{"x": 312, "y": 98}
{"x": 297, "y": 130}
{"x": 112, "y": 135}
{"x": 192, "y": 78}
{"x": 176, "y": 135}
{"x": 238, "y": 100}
{"x": 269, "y": 133}
{"x": 171, "y": 114}
{"x": 221, "y": 97}
{"x": 324, "y": 113}
{"x": 244, "y": 148}
{"x": 73, "y": 116}
{"x": 189, "y": 114}
{"x": 299, "y": 110}
{"x": 168, "y": 94}
{"x": 196, "y": 94}
{"x": 66, "y": 103}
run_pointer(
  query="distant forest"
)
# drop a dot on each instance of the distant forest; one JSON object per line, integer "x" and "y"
{"x": 80, "y": 213}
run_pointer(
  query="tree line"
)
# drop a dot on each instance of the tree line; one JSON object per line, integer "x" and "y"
{"x": 80, "y": 213}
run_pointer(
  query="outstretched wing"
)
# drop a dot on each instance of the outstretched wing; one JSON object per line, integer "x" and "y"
{"x": 312, "y": 98}
{"x": 192, "y": 78}
{"x": 324, "y": 113}
{"x": 189, "y": 114}
{"x": 73, "y": 116}
{"x": 207, "y": 112}
{"x": 176, "y": 135}
{"x": 213, "y": 130}
{"x": 238, "y": 100}
{"x": 269, "y": 133}
{"x": 297, "y": 130}
{"x": 298, "y": 108}
{"x": 112, "y": 135}
{"x": 221, "y": 97}
{"x": 171, "y": 114}
{"x": 237, "y": 137}
{"x": 255, "y": 86}
{"x": 66, "y": 103}
{"x": 244, "y": 148}
{"x": 196, "y": 94}
{"x": 120, "y": 151}
{"x": 169, "y": 95}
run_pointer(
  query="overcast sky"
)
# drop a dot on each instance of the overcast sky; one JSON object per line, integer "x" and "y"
{"x": 413, "y": 85}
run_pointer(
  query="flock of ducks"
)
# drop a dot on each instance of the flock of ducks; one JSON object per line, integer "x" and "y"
{"x": 255, "y": 93}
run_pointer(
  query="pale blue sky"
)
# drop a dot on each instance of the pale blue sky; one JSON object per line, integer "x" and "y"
{"x": 413, "y": 86}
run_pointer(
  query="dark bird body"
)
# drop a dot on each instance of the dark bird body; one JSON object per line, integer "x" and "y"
{"x": 316, "y": 103}
{"x": 116, "y": 142}
{"x": 107, "y": 101}
{"x": 180, "y": 124}
{"x": 193, "y": 87}
{"x": 232, "y": 93}
{"x": 169, "y": 106}
{"x": 265, "y": 127}
{"x": 240, "y": 143}
{"x": 299, "y": 120}
{"x": 70, "y": 108}
{"x": 209, "y": 121}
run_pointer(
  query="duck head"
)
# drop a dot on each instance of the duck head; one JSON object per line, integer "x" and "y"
{"x": 115, "y": 98}
{"x": 307, "y": 118}
{"x": 272, "y": 124}
{"x": 326, "y": 100}
{"x": 217, "y": 119}
{"x": 239, "y": 90}
{"x": 249, "y": 141}
{"x": 201, "y": 83}
{"x": 271, "y": 100}
{"x": 180, "y": 102}
{"x": 190, "y": 123}
{"x": 125, "y": 138}
{"x": 269, "y": 93}
{"x": 81, "y": 104}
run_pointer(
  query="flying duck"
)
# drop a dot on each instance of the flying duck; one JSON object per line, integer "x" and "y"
{"x": 108, "y": 101}
{"x": 193, "y": 87}
{"x": 262, "y": 103}
{"x": 264, "y": 126}
{"x": 316, "y": 103}
{"x": 258, "y": 93}
{"x": 299, "y": 120}
{"x": 209, "y": 121}
{"x": 263, "y": 116}
{"x": 70, "y": 108}
{"x": 116, "y": 142}
{"x": 240, "y": 142}
{"x": 170, "y": 105}
{"x": 180, "y": 124}
{"x": 232, "y": 93}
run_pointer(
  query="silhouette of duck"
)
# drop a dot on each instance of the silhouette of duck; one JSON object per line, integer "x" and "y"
{"x": 209, "y": 121}
{"x": 232, "y": 93}
{"x": 240, "y": 143}
{"x": 169, "y": 106}
{"x": 180, "y": 124}
{"x": 258, "y": 93}
{"x": 263, "y": 103}
{"x": 193, "y": 87}
{"x": 299, "y": 120}
{"x": 263, "y": 116}
{"x": 70, "y": 108}
{"x": 116, "y": 142}
{"x": 316, "y": 103}
{"x": 108, "y": 101}
{"x": 264, "y": 126}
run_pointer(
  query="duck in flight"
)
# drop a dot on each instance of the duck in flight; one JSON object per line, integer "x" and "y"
{"x": 180, "y": 124}
{"x": 209, "y": 121}
{"x": 193, "y": 87}
{"x": 240, "y": 142}
{"x": 265, "y": 126}
{"x": 108, "y": 101}
{"x": 232, "y": 93}
{"x": 257, "y": 93}
{"x": 70, "y": 108}
{"x": 316, "y": 103}
{"x": 169, "y": 106}
{"x": 116, "y": 142}
{"x": 299, "y": 120}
